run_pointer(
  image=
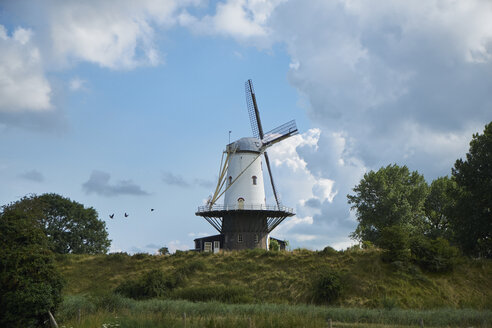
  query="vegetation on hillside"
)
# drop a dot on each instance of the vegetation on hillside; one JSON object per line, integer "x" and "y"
{"x": 259, "y": 276}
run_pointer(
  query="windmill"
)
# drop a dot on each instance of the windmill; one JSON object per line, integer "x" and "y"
{"x": 244, "y": 220}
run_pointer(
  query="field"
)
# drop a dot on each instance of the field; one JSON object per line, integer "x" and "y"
{"x": 274, "y": 289}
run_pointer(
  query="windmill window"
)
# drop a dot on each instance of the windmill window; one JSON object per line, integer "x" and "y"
{"x": 254, "y": 179}
{"x": 230, "y": 181}
{"x": 240, "y": 238}
{"x": 256, "y": 238}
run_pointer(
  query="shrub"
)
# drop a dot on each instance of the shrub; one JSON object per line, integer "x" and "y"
{"x": 395, "y": 243}
{"x": 328, "y": 250}
{"x": 155, "y": 283}
{"x": 220, "y": 293}
{"x": 327, "y": 287}
{"x": 152, "y": 284}
{"x": 274, "y": 245}
{"x": 435, "y": 255}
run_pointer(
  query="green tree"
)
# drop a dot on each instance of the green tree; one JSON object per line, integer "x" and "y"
{"x": 70, "y": 227}
{"x": 439, "y": 207}
{"x": 472, "y": 220}
{"x": 395, "y": 242}
{"x": 391, "y": 196}
{"x": 163, "y": 250}
{"x": 30, "y": 284}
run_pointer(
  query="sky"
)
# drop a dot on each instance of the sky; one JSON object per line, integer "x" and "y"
{"x": 126, "y": 106}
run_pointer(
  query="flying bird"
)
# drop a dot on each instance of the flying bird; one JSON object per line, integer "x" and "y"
{"x": 152, "y": 210}
{"x": 111, "y": 216}
{"x": 126, "y": 215}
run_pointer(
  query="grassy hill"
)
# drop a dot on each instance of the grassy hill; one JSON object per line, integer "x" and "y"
{"x": 289, "y": 278}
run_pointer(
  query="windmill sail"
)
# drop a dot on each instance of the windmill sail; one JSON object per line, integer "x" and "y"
{"x": 280, "y": 133}
{"x": 254, "y": 114}
{"x": 267, "y": 160}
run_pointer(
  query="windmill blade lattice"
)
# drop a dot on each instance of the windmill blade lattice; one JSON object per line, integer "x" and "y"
{"x": 267, "y": 160}
{"x": 254, "y": 114}
{"x": 280, "y": 133}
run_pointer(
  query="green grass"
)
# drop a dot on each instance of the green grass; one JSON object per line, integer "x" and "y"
{"x": 169, "y": 313}
{"x": 288, "y": 278}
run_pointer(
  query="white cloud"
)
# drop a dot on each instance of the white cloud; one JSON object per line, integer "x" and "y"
{"x": 112, "y": 34}
{"x": 77, "y": 84}
{"x": 23, "y": 86}
{"x": 396, "y": 81}
{"x": 303, "y": 238}
{"x": 240, "y": 19}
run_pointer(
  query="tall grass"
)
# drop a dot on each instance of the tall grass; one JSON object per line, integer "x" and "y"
{"x": 214, "y": 314}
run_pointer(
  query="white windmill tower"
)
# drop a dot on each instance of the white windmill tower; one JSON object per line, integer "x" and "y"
{"x": 245, "y": 219}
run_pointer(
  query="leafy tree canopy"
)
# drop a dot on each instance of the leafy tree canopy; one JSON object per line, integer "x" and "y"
{"x": 30, "y": 284}
{"x": 391, "y": 196}
{"x": 472, "y": 221}
{"x": 439, "y": 207}
{"x": 70, "y": 227}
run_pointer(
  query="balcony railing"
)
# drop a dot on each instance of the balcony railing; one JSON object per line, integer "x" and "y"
{"x": 239, "y": 207}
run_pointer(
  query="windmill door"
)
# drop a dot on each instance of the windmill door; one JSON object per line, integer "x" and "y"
{"x": 240, "y": 203}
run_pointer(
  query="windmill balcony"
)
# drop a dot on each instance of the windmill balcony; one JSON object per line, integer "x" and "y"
{"x": 241, "y": 207}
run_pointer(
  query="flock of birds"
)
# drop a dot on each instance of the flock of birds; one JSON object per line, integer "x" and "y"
{"x": 111, "y": 216}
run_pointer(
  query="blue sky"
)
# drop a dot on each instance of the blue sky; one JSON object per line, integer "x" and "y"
{"x": 126, "y": 106}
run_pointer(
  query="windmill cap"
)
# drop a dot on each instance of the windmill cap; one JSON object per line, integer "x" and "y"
{"x": 245, "y": 144}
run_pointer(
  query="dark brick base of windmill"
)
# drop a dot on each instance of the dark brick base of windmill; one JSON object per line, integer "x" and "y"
{"x": 240, "y": 229}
